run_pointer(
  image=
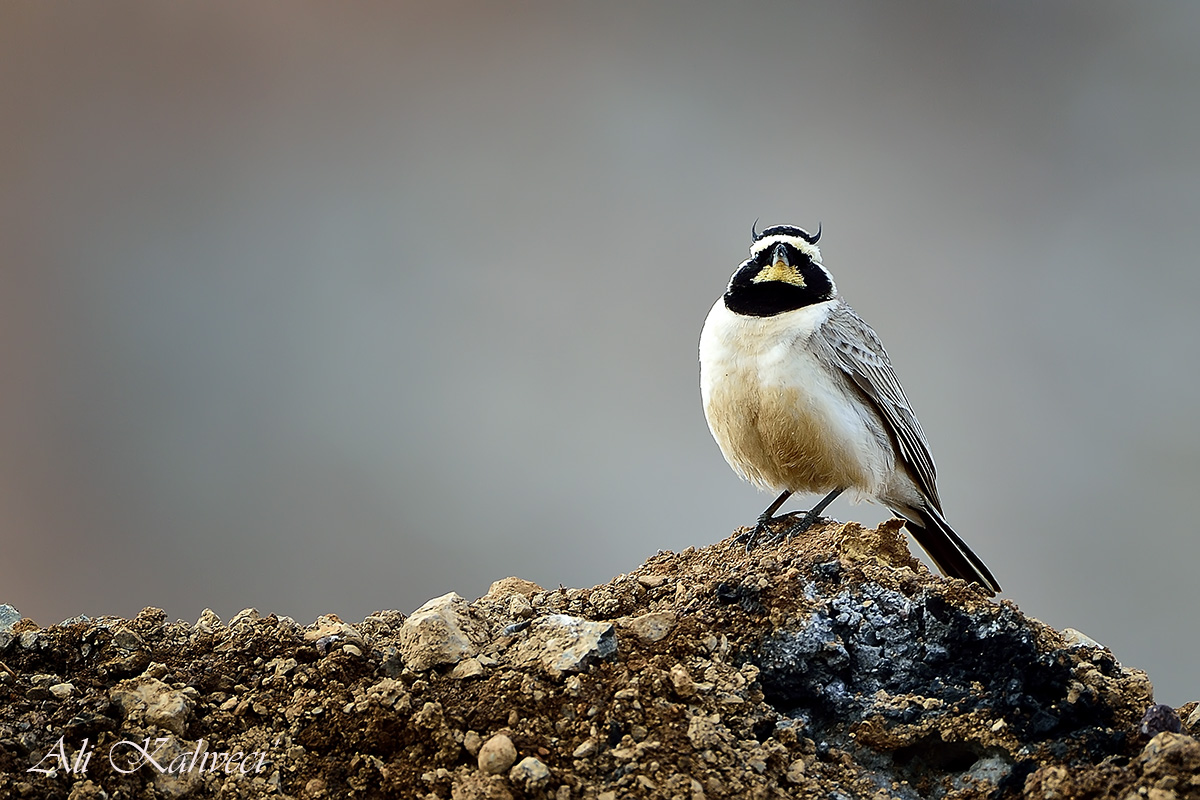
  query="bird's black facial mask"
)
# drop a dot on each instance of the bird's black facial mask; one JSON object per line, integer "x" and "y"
{"x": 780, "y": 277}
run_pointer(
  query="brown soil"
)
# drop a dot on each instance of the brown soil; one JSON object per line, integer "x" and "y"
{"x": 831, "y": 666}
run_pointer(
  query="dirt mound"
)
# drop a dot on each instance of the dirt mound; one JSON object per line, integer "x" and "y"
{"x": 832, "y": 664}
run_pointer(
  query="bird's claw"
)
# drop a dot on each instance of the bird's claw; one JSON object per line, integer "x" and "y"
{"x": 750, "y": 537}
{"x": 801, "y": 522}
{"x": 806, "y": 520}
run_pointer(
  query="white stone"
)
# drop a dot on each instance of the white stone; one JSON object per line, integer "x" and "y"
{"x": 62, "y": 690}
{"x": 653, "y": 626}
{"x": 1075, "y": 638}
{"x": 9, "y": 616}
{"x": 563, "y": 644}
{"x": 443, "y": 631}
{"x": 155, "y": 701}
{"x": 530, "y": 772}
{"x": 497, "y": 754}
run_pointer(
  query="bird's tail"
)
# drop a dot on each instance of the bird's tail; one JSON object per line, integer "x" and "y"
{"x": 947, "y": 550}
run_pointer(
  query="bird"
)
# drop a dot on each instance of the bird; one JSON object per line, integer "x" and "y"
{"x": 800, "y": 396}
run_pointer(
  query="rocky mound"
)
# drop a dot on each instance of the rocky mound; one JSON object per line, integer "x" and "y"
{"x": 832, "y": 666}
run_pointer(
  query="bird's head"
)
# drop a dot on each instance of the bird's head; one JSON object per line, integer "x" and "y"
{"x": 784, "y": 273}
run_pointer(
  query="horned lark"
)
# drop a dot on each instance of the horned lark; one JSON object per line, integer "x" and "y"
{"x": 801, "y": 397}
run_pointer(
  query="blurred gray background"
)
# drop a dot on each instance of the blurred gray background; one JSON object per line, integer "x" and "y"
{"x": 333, "y": 308}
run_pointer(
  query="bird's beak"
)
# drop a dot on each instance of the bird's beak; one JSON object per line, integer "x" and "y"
{"x": 781, "y": 258}
{"x": 780, "y": 269}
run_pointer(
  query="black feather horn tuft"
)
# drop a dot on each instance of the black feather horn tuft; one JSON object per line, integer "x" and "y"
{"x": 786, "y": 230}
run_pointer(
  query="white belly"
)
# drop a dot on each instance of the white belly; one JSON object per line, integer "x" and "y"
{"x": 782, "y": 419}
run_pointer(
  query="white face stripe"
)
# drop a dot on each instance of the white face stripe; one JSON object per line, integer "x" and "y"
{"x": 810, "y": 250}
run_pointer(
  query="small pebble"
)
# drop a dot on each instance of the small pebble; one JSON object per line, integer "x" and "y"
{"x": 467, "y": 668}
{"x": 62, "y": 690}
{"x": 497, "y": 754}
{"x": 1075, "y": 638}
{"x": 529, "y": 771}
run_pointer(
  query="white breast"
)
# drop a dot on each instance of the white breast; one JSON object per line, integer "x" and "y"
{"x": 782, "y": 418}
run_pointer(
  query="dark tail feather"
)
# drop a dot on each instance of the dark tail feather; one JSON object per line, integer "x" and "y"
{"x": 948, "y": 551}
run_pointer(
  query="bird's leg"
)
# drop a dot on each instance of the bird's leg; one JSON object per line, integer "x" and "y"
{"x": 764, "y": 519}
{"x": 807, "y": 518}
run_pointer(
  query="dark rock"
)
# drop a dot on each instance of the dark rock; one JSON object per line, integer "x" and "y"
{"x": 1159, "y": 718}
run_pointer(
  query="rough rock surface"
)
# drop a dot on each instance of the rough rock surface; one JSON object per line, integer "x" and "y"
{"x": 442, "y": 631}
{"x": 831, "y": 666}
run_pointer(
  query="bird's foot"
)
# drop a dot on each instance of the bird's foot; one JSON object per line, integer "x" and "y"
{"x": 803, "y": 520}
{"x": 750, "y": 537}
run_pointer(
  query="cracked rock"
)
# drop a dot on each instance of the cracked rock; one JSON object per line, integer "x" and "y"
{"x": 9, "y": 617}
{"x": 442, "y": 631}
{"x": 156, "y": 702}
{"x": 563, "y": 644}
{"x": 529, "y": 772}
